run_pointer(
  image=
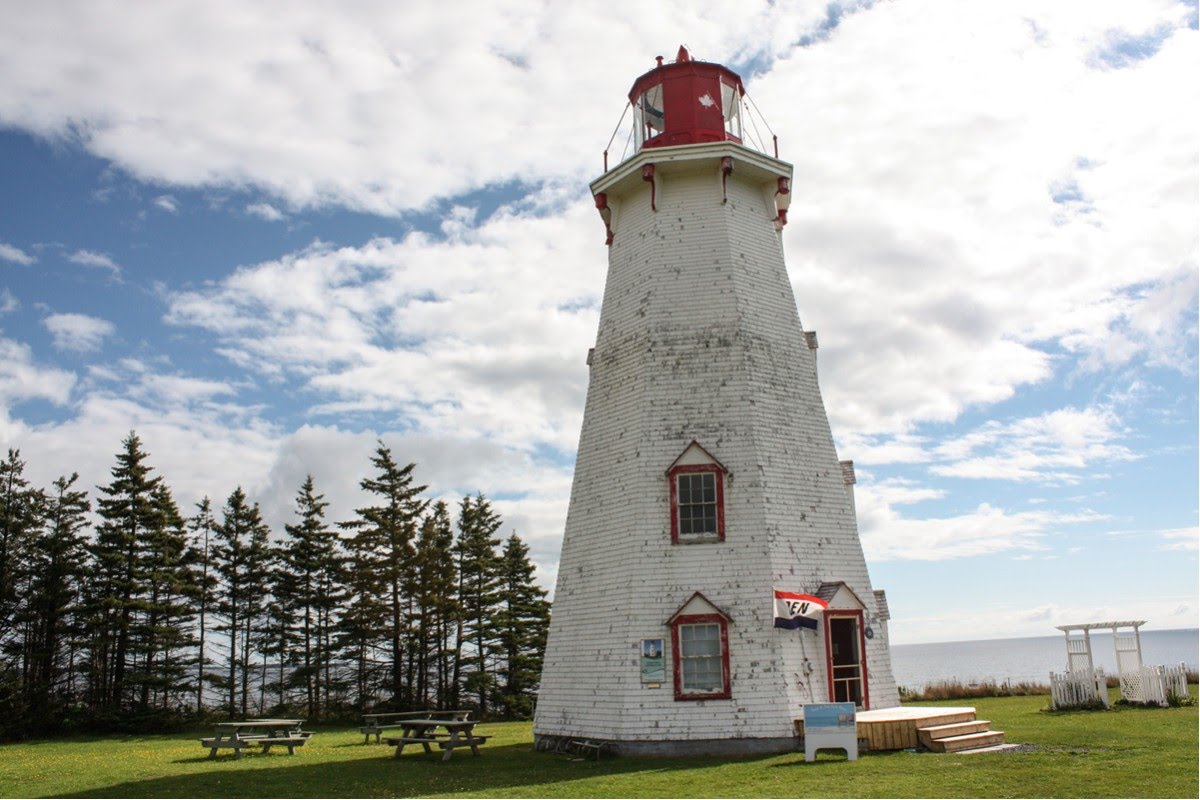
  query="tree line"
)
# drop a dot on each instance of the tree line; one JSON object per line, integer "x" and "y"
{"x": 127, "y": 613}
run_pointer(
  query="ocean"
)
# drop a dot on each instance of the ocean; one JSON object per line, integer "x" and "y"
{"x": 1028, "y": 659}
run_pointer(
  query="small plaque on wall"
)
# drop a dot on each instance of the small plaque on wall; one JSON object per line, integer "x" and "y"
{"x": 654, "y": 670}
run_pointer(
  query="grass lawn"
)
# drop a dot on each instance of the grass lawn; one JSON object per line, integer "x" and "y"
{"x": 1128, "y": 752}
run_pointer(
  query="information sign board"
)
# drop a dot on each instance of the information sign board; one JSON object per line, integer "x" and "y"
{"x": 830, "y": 725}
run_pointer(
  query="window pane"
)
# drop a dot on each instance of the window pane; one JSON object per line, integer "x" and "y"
{"x": 697, "y": 639}
{"x": 696, "y": 496}
{"x": 700, "y": 657}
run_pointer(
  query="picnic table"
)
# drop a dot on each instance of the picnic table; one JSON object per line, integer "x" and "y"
{"x": 263, "y": 732}
{"x": 425, "y": 732}
{"x": 378, "y": 723}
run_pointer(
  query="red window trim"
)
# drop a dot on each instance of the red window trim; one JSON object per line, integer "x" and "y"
{"x": 716, "y": 470}
{"x": 677, "y": 660}
{"x": 862, "y": 650}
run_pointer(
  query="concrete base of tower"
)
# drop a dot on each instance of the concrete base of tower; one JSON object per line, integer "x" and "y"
{"x": 680, "y": 747}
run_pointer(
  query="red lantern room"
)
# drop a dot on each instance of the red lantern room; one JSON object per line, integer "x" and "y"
{"x": 687, "y": 102}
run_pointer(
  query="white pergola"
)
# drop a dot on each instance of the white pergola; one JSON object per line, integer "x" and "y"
{"x": 1083, "y": 683}
{"x": 1128, "y": 646}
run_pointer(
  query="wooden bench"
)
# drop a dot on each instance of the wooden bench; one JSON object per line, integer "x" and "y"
{"x": 471, "y": 741}
{"x": 213, "y": 744}
{"x": 291, "y": 742}
{"x": 374, "y": 724}
{"x": 442, "y": 740}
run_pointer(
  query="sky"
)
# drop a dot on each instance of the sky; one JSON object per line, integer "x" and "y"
{"x": 266, "y": 237}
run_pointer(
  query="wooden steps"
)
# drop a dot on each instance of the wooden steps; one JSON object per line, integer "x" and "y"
{"x": 945, "y": 729}
{"x": 958, "y": 736}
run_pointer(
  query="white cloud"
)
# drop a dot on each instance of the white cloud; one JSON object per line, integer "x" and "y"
{"x": 1057, "y": 445}
{"x": 89, "y": 258}
{"x": 265, "y": 211}
{"x": 15, "y": 254}
{"x": 900, "y": 491}
{"x": 78, "y": 332}
{"x": 377, "y": 108}
{"x": 484, "y": 333}
{"x": 898, "y": 449}
{"x": 23, "y": 379}
{"x": 925, "y": 242}
{"x": 926, "y": 193}
{"x": 1181, "y": 539}
{"x": 8, "y": 302}
{"x": 167, "y": 203}
{"x": 988, "y": 530}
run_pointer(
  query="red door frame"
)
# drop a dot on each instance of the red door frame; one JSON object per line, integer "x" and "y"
{"x": 856, "y": 614}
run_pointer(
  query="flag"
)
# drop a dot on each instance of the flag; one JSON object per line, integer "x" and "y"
{"x": 794, "y": 610}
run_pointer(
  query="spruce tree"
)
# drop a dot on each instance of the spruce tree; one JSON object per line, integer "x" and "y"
{"x": 522, "y": 622}
{"x": 437, "y": 610}
{"x": 235, "y": 556}
{"x": 331, "y": 600}
{"x": 128, "y": 510}
{"x": 21, "y": 510}
{"x": 259, "y": 563}
{"x": 20, "y": 517}
{"x": 383, "y": 543}
{"x": 309, "y": 547}
{"x": 478, "y": 595}
{"x": 363, "y": 618}
{"x": 59, "y": 568}
{"x": 203, "y": 527}
{"x": 166, "y": 636}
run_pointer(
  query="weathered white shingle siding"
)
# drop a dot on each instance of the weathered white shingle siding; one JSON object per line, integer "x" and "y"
{"x": 699, "y": 339}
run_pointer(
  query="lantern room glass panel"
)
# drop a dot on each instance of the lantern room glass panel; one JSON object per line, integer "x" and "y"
{"x": 731, "y": 108}
{"x": 649, "y": 114}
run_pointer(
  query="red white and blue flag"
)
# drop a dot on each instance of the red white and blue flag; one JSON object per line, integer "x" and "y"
{"x": 794, "y": 610}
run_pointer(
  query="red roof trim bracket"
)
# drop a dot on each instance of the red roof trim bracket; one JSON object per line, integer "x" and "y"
{"x": 648, "y": 176}
{"x": 606, "y": 215}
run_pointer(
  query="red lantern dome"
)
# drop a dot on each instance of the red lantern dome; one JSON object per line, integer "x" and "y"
{"x": 687, "y": 102}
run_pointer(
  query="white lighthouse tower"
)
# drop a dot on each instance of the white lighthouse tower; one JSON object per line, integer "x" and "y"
{"x": 706, "y": 476}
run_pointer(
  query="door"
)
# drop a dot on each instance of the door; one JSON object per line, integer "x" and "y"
{"x": 846, "y": 651}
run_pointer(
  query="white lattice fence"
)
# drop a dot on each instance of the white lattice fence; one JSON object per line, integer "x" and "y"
{"x": 1154, "y": 685}
{"x": 1175, "y": 679}
{"x": 1078, "y": 688}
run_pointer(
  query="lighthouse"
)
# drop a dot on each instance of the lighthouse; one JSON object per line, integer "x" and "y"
{"x": 707, "y": 485}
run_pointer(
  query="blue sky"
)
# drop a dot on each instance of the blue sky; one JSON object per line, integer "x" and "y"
{"x": 265, "y": 243}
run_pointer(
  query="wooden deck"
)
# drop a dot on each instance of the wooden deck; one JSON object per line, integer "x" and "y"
{"x": 896, "y": 728}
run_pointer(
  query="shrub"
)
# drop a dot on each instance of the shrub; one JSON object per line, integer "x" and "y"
{"x": 957, "y": 690}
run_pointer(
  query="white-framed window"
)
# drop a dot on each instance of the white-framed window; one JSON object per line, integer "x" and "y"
{"x": 701, "y": 643}
{"x": 700, "y": 658}
{"x": 697, "y": 507}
